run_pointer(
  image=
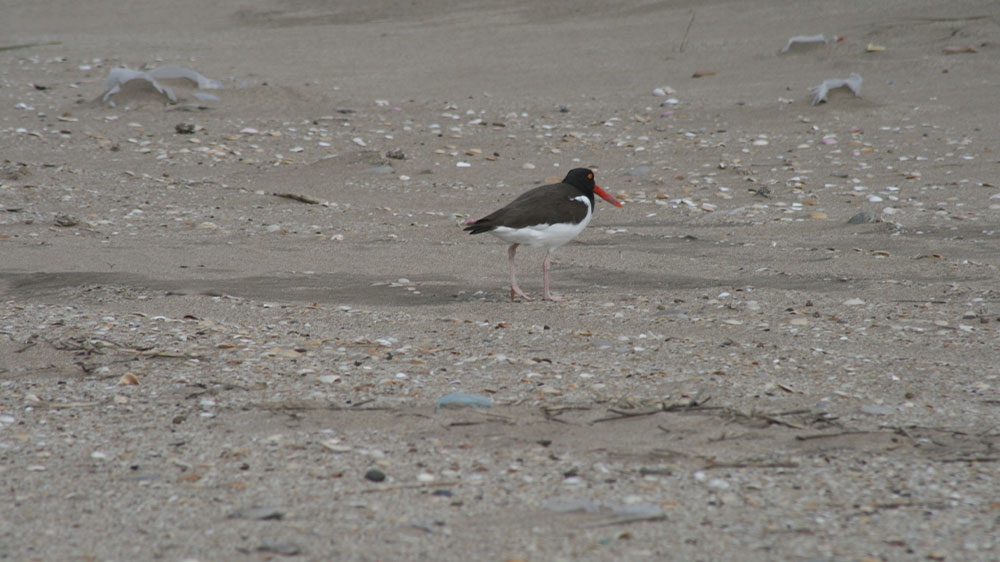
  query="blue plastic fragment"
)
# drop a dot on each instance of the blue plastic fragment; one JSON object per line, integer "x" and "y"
{"x": 462, "y": 400}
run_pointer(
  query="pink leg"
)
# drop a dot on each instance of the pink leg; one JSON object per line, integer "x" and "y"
{"x": 545, "y": 280}
{"x": 514, "y": 289}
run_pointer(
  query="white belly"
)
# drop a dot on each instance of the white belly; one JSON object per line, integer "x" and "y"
{"x": 548, "y": 236}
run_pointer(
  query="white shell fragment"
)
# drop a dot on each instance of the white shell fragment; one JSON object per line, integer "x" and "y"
{"x": 853, "y": 83}
{"x": 119, "y": 76}
{"x": 803, "y": 39}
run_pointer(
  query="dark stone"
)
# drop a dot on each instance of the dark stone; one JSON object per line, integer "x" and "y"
{"x": 375, "y": 475}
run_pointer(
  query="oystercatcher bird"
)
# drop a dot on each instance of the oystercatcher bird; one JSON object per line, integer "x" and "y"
{"x": 548, "y": 217}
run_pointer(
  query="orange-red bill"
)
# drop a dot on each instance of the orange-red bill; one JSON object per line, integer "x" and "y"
{"x": 607, "y": 196}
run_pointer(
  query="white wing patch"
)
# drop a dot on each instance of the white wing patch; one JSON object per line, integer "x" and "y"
{"x": 548, "y": 236}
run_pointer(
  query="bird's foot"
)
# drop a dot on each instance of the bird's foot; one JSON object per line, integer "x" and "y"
{"x": 516, "y": 291}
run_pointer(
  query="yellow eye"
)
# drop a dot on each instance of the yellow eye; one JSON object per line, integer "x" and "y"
{"x": 590, "y": 176}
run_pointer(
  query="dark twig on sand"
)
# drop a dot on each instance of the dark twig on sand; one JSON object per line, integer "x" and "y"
{"x": 750, "y": 464}
{"x": 29, "y": 45}
{"x": 686, "y": 31}
{"x": 692, "y": 405}
{"x": 829, "y": 435}
{"x": 299, "y": 197}
{"x": 551, "y": 413}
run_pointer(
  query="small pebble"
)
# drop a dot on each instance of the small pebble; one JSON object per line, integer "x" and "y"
{"x": 66, "y": 221}
{"x": 282, "y": 548}
{"x": 258, "y": 512}
{"x": 864, "y": 217}
{"x": 877, "y": 409}
{"x": 718, "y": 484}
{"x": 375, "y": 475}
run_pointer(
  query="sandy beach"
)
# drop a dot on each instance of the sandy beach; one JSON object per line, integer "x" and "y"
{"x": 229, "y": 314}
